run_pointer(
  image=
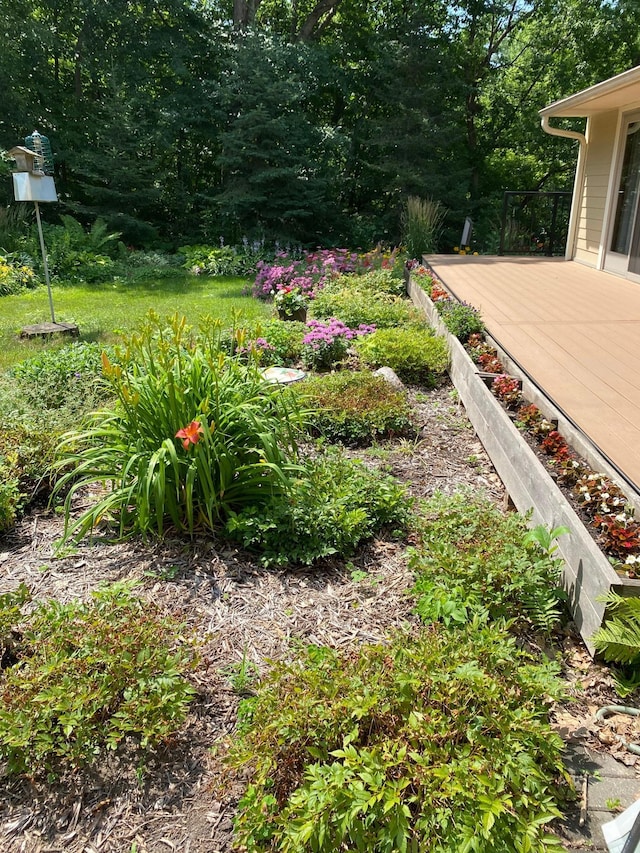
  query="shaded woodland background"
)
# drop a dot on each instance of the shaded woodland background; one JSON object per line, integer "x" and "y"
{"x": 297, "y": 120}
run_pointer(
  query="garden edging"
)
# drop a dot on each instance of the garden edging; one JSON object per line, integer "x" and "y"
{"x": 587, "y": 574}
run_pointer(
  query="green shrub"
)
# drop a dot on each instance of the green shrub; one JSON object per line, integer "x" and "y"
{"x": 416, "y": 355}
{"x": 355, "y": 408}
{"x": 223, "y": 260}
{"x": 434, "y": 742}
{"x": 69, "y": 376}
{"x": 27, "y": 455}
{"x": 194, "y": 435}
{"x": 332, "y": 507}
{"x": 373, "y": 281}
{"x": 89, "y": 676}
{"x": 10, "y": 617}
{"x": 286, "y": 339}
{"x": 475, "y": 561}
{"x": 10, "y": 496}
{"x": 355, "y": 307}
{"x": 15, "y": 275}
{"x": 74, "y": 253}
{"x": 461, "y": 320}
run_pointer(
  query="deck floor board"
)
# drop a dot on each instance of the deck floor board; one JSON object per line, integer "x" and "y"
{"x": 573, "y": 329}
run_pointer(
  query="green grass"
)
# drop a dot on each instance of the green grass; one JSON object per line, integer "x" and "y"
{"x": 104, "y": 311}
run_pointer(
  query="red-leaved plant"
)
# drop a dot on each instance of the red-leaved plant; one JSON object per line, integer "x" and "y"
{"x": 507, "y": 389}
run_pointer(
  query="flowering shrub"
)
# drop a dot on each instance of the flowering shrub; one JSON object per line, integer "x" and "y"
{"x": 507, "y": 389}
{"x": 327, "y": 343}
{"x": 271, "y": 278}
{"x": 15, "y": 276}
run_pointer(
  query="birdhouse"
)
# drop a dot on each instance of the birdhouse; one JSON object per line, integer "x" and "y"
{"x": 26, "y": 159}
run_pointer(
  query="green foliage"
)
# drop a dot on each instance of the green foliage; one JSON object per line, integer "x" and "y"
{"x": 225, "y": 260}
{"x": 68, "y": 376}
{"x": 15, "y": 275}
{"x": 355, "y": 408}
{"x": 618, "y": 640}
{"x": 381, "y": 280}
{"x": 10, "y": 618}
{"x": 415, "y": 354}
{"x": 475, "y": 561}
{"x": 27, "y": 454}
{"x": 433, "y": 742}
{"x": 9, "y": 496}
{"x": 88, "y": 677}
{"x": 236, "y": 435}
{"x": 421, "y": 225}
{"x": 356, "y": 305}
{"x": 461, "y": 320}
{"x": 286, "y": 339}
{"x": 332, "y": 507}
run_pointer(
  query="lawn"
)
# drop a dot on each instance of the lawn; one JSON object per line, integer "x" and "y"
{"x": 103, "y": 311}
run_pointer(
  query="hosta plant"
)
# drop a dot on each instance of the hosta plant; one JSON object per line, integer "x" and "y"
{"x": 433, "y": 742}
{"x": 194, "y": 434}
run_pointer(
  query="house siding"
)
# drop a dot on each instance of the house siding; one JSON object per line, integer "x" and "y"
{"x": 601, "y": 133}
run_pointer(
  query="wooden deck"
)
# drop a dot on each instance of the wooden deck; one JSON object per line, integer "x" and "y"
{"x": 574, "y": 330}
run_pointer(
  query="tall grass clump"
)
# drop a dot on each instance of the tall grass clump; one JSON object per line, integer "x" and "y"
{"x": 195, "y": 434}
{"x": 421, "y": 224}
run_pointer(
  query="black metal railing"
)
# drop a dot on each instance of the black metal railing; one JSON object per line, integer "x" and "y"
{"x": 534, "y": 223}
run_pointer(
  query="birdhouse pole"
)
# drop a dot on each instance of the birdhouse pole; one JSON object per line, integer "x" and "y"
{"x": 44, "y": 261}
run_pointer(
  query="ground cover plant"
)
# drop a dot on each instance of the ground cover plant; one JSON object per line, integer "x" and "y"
{"x": 474, "y": 561}
{"x": 394, "y": 747}
{"x": 84, "y": 678}
{"x": 355, "y": 408}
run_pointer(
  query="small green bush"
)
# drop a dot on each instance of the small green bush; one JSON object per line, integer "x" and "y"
{"x": 27, "y": 455}
{"x": 89, "y": 676}
{"x": 194, "y": 434}
{"x": 359, "y": 306}
{"x": 475, "y": 561}
{"x": 374, "y": 281}
{"x": 70, "y": 376}
{"x": 355, "y": 408}
{"x": 416, "y": 355}
{"x": 333, "y": 506}
{"x": 15, "y": 275}
{"x": 461, "y": 320}
{"x": 10, "y": 496}
{"x": 436, "y": 742}
{"x": 286, "y": 339}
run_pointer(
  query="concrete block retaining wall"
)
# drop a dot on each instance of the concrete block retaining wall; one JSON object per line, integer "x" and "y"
{"x": 587, "y": 573}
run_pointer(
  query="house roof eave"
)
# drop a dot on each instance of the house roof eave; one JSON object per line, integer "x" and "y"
{"x": 612, "y": 94}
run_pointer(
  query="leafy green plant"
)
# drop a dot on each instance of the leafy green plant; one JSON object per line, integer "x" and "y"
{"x": 194, "y": 435}
{"x": 59, "y": 377}
{"x": 383, "y": 280}
{"x": 435, "y": 741}
{"x": 89, "y": 677}
{"x": 10, "y": 496}
{"x": 286, "y": 339}
{"x": 15, "y": 275}
{"x": 10, "y": 618}
{"x": 461, "y": 320}
{"x": 416, "y": 355}
{"x": 355, "y": 407}
{"x": 473, "y": 560}
{"x": 618, "y": 640}
{"x": 332, "y": 507}
{"x": 421, "y": 223}
{"x": 356, "y": 305}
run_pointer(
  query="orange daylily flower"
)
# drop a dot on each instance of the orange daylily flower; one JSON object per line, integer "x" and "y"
{"x": 191, "y": 434}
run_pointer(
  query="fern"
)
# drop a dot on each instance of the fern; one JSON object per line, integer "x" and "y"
{"x": 619, "y": 639}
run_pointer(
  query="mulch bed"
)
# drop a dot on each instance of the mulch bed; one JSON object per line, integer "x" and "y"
{"x": 177, "y": 799}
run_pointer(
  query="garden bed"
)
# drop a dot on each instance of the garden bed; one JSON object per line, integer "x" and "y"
{"x": 588, "y": 575}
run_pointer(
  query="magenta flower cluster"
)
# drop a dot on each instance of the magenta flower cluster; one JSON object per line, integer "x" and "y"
{"x": 308, "y": 275}
{"x": 327, "y": 343}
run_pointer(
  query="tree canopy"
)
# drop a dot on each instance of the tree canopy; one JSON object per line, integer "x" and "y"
{"x": 307, "y": 121}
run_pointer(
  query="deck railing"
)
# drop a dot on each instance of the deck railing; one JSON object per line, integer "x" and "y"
{"x": 534, "y": 223}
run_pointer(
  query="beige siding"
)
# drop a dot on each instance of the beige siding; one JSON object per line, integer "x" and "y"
{"x": 600, "y": 151}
